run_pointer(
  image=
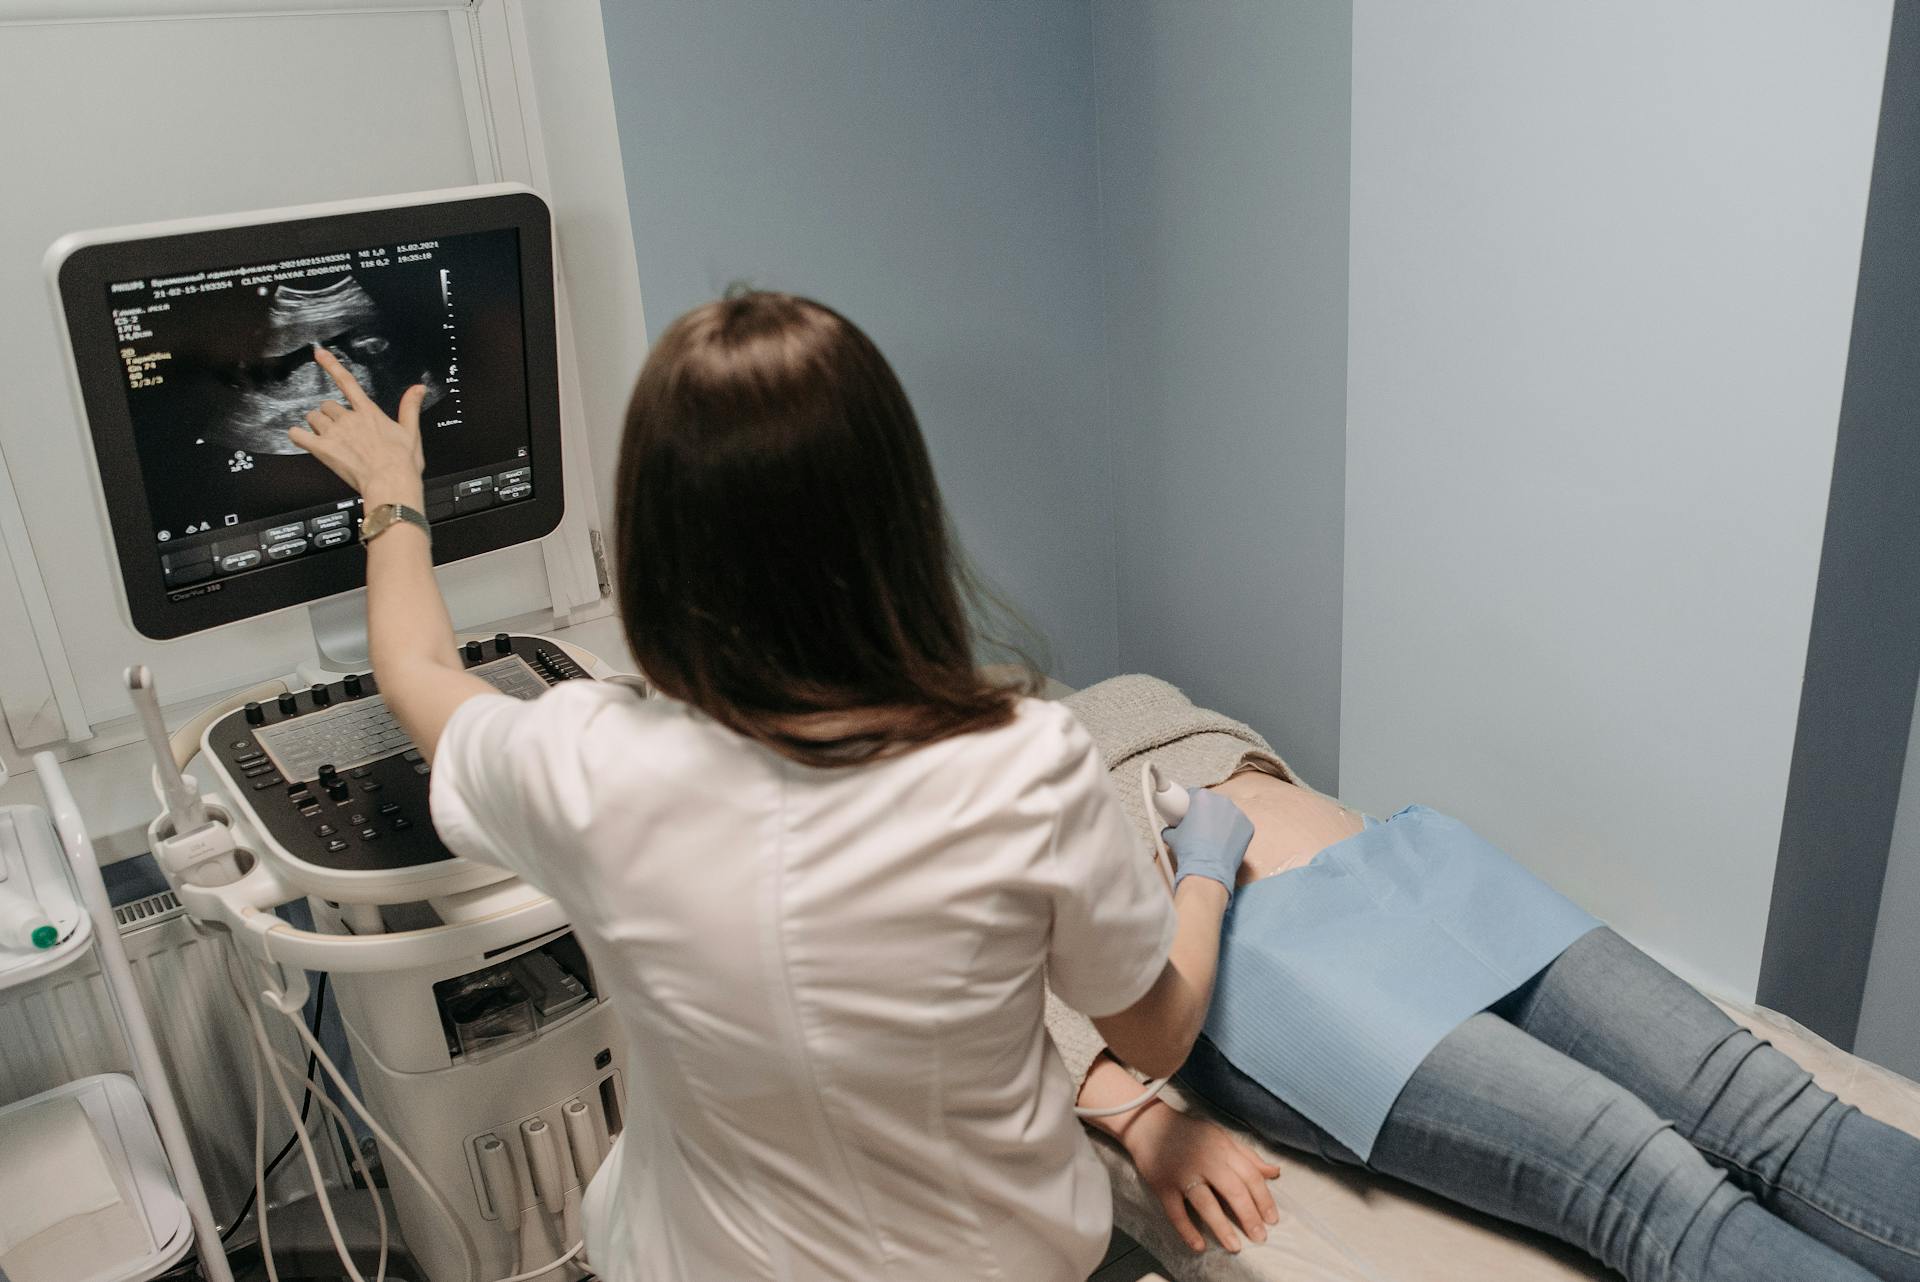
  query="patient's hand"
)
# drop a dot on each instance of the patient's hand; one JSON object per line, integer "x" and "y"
{"x": 1192, "y": 1165}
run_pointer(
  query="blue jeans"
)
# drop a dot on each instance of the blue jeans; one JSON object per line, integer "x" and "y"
{"x": 1610, "y": 1105}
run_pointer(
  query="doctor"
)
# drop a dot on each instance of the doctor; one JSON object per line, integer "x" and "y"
{"x": 823, "y": 879}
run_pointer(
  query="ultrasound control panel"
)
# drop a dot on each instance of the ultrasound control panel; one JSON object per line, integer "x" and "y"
{"x": 332, "y": 777}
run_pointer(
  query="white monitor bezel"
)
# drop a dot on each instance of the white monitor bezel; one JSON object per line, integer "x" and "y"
{"x": 79, "y": 261}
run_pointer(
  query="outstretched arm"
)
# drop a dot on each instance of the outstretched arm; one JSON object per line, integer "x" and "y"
{"x": 1156, "y": 1032}
{"x": 408, "y": 630}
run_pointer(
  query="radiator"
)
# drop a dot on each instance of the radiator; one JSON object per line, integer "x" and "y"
{"x": 64, "y": 1027}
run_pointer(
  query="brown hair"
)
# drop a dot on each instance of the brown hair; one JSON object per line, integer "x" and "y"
{"x": 785, "y": 562}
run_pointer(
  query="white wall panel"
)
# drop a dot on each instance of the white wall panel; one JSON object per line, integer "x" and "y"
{"x": 140, "y": 121}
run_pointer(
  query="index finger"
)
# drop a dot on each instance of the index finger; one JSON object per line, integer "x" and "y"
{"x": 342, "y": 377}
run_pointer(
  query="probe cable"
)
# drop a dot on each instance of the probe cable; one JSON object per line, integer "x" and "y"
{"x": 469, "y": 1253}
{"x": 264, "y": 1053}
{"x": 306, "y": 1101}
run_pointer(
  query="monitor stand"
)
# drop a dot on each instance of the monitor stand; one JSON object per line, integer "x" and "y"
{"x": 483, "y": 595}
{"x": 340, "y": 632}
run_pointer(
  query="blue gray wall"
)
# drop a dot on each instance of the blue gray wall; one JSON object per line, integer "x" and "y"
{"x": 1223, "y": 133}
{"x": 927, "y": 169}
{"x": 1603, "y": 270}
{"x": 1396, "y": 376}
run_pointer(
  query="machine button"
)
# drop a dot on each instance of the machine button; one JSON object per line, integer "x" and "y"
{"x": 360, "y": 772}
{"x": 180, "y": 557}
{"x": 352, "y": 685}
{"x": 356, "y": 821}
{"x": 281, "y": 533}
{"x": 332, "y": 538}
{"x": 502, "y": 643}
{"x": 369, "y": 833}
{"x": 399, "y": 823}
{"x": 389, "y": 807}
{"x": 331, "y": 521}
{"x": 254, "y": 772}
{"x": 336, "y": 845}
{"x": 422, "y": 768}
{"x": 180, "y": 576}
{"x": 270, "y": 781}
{"x": 321, "y": 695}
{"x": 255, "y": 714}
{"x": 369, "y": 785}
{"x": 467, "y": 489}
{"x": 511, "y": 493}
{"x": 411, "y": 754}
{"x": 477, "y": 501}
{"x": 241, "y": 745}
{"x": 281, "y": 551}
{"x": 246, "y": 759}
{"x": 309, "y": 808}
{"x": 235, "y": 562}
{"x": 324, "y": 830}
{"x": 514, "y": 476}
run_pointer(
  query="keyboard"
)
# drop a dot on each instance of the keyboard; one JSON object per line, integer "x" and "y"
{"x": 353, "y": 734}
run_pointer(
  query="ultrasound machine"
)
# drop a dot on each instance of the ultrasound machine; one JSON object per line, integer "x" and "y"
{"x": 488, "y": 1063}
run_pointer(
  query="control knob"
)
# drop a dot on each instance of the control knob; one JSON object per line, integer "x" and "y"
{"x": 473, "y": 651}
{"x": 287, "y": 702}
{"x": 256, "y": 714}
{"x": 502, "y": 643}
{"x": 337, "y": 789}
{"x": 321, "y": 695}
{"x": 352, "y": 685}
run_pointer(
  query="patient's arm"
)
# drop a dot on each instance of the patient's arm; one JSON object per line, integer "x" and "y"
{"x": 1187, "y": 1161}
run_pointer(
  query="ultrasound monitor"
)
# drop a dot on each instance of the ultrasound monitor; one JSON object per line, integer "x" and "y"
{"x": 192, "y": 347}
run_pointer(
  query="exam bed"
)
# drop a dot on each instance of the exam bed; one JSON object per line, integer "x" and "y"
{"x": 1393, "y": 1232}
{"x": 1404, "y": 1235}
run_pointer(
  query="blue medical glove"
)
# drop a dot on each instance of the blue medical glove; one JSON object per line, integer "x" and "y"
{"x": 1211, "y": 841}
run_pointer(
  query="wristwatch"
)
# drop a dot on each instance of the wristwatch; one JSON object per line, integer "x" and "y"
{"x": 385, "y": 516}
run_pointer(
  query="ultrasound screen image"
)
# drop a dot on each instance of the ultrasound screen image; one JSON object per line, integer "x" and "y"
{"x": 219, "y": 365}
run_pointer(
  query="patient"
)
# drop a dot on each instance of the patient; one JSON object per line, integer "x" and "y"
{"x": 1593, "y": 1096}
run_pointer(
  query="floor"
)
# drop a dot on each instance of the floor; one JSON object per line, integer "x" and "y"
{"x": 305, "y": 1257}
{"x": 1126, "y": 1261}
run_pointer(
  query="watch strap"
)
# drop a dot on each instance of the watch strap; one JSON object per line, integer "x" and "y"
{"x": 384, "y": 516}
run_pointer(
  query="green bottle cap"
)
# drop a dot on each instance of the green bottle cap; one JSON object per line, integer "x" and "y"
{"x": 45, "y": 936}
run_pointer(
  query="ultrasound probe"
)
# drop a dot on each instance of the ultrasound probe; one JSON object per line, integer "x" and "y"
{"x": 184, "y": 807}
